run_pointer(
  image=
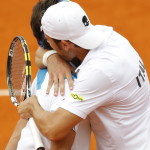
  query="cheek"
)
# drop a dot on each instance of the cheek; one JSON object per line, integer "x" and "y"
{"x": 59, "y": 50}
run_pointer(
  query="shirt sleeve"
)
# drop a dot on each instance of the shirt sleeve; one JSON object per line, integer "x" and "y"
{"x": 92, "y": 89}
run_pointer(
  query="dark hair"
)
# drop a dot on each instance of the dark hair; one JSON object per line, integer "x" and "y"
{"x": 35, "y": 22}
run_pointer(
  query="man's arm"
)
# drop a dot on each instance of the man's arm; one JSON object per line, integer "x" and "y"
{"x": 13, "y": 141}
{"x": 38, "y": 57}
{"x": 54, "y": 125}
{"x": 58, "y": 70}
{"x": 64, "y": 144}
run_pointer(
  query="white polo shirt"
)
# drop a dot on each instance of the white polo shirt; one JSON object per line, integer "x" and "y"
{"x": 51, "y": 103}
{"x": 112, "y": 87}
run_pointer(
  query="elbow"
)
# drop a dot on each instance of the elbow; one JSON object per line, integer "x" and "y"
{"x": 53, "y": 133}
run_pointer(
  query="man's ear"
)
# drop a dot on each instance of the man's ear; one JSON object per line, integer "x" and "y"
{"x": 65, "y": 45}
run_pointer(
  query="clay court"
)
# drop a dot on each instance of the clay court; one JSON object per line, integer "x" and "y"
{"x": 131, "y": 18}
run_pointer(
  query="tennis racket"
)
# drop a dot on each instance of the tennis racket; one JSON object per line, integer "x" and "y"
{"x": 19, "y": 80}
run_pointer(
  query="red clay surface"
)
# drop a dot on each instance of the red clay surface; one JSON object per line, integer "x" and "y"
{"x": 131, "y": 18}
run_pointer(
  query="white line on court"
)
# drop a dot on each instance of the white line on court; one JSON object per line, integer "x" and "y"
{"x": 4, "y": 92}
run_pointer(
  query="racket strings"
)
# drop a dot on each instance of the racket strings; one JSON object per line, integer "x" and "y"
{"x": 19, "y": 72}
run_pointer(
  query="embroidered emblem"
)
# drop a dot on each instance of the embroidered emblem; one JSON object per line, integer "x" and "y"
{"x": 85, "y": 21}
{"x": 77, "y": 97}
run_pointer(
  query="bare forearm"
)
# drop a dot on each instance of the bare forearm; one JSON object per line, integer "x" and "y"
{"x": 58, "y": 70}
{"x": 65, "y": 143}
{"x": 59, "y": 140}
{"x": 13, "y": 141}
{"x": 54, "y": 125}
{"x": 39, "y": 57}
{"x": 45, "y": 121}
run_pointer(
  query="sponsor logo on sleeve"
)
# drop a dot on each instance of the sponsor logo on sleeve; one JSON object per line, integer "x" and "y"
{"x": 76, "y": 97}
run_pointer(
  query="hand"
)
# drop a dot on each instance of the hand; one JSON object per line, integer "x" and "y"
{"x": 58, "y": 70}
{"x": 26, "y": 108}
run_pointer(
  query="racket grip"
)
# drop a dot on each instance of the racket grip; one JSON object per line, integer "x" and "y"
{"x": 36, "y": 135}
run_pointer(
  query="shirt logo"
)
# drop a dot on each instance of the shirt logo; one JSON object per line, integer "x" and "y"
{"x": 77, "y": 97}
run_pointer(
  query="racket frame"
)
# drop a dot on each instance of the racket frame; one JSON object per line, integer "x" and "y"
{"x": 35, "y": 132}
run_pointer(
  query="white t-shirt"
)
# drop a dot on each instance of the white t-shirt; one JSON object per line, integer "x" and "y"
{"x": 112, "y": 87}
{"x": 51, "y": 103}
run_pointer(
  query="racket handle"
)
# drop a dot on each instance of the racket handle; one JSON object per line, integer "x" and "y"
{"x": 36, "y": 135}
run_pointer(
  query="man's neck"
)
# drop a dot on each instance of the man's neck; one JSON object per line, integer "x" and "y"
{"x": 81, "y": 54}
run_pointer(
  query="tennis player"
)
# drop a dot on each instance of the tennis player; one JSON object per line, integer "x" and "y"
{"x": 112, "y": 85}
{"x": 35, "y": 25}
{"x": 49, "y": 102}
{"x": 22, "y": 137}
{"x": 62, "y": 68}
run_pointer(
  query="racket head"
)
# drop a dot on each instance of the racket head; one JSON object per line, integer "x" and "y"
{"x": 18, "y": 70}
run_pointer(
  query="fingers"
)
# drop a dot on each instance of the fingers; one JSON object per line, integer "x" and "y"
{"x": 23, "y": 115}
{"x": 70, "y": 81}
{"x": 62, "y": 85}
{"x": 59, "y": 83}
{"x": 50, "y": 83}
{"x": 25, "y": 108}
{"x": 59, "y": 70}
{"x": 56, "y": 86}
{"x": 53, "y": 80}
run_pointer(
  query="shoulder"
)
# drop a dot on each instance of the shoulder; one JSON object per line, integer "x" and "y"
{"x": 94, "y": 75}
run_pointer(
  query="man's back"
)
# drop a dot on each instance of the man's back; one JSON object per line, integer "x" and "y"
{"x": 124, "y": 116}
{"x": 114, "y": 85}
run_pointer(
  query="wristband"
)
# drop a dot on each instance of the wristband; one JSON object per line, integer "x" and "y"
{"x": 46, "y": 55}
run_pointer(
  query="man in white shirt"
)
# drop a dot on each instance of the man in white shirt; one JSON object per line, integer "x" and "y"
{"x": 49, "y": 102}
{"x": 112, "y": 87}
